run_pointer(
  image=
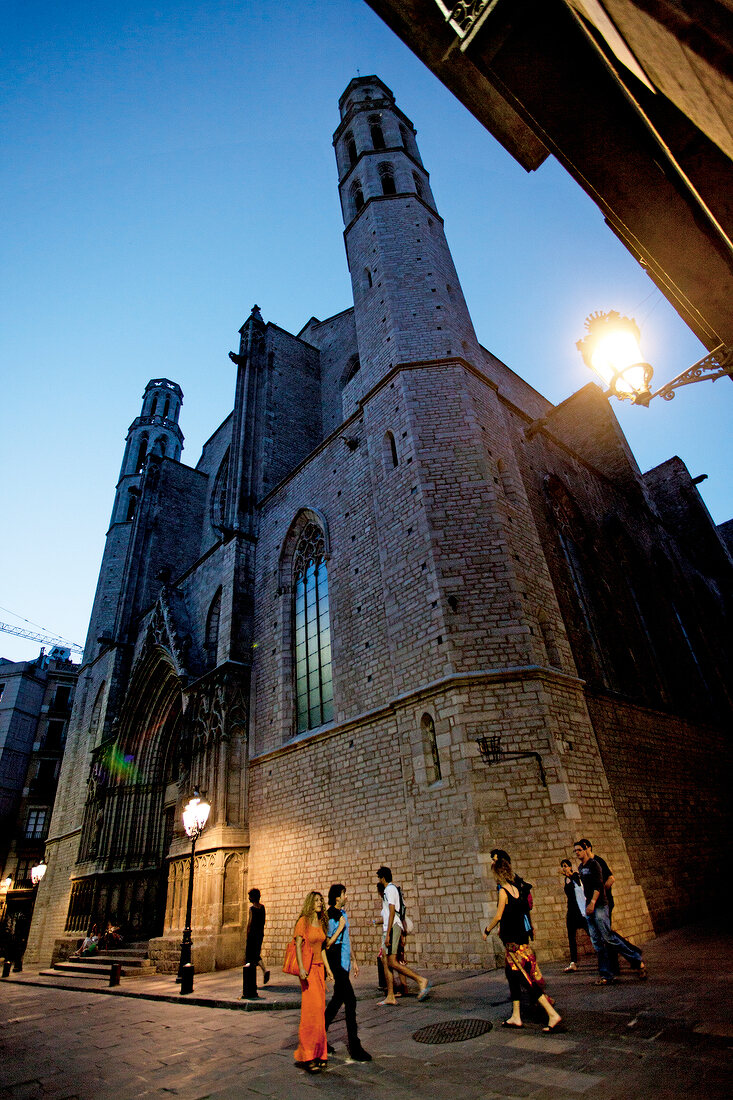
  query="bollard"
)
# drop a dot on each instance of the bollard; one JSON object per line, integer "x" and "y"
{"x": 6, "y": 967}
{"x": 18, "y": 965}
{"x": 187, "y": 979}
{"x": 249, "y": 982}
{"x": 115, "y": 973}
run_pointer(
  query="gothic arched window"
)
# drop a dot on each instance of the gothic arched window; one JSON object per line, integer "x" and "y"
{"x": 351, "y": 149}
{"x": 375, "y": 129}
{"x": 313, "y": 675}
{"x": 386, "y": 175}
{"x": 166, "y": 407}
{"x": 352, "y": 369}
{"x": 211, "y": 643}
{"x": 418, "y": 185}
{"x": 219, "y": 493}
{"x": 141, "y": 453}
{"x": 357, "y": 196}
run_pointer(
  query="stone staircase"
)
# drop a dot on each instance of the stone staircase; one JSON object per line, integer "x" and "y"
{"x": 133, "y": 960}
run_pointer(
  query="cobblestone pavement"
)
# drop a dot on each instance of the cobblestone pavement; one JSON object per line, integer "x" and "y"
{"x": 667, "y": 1038}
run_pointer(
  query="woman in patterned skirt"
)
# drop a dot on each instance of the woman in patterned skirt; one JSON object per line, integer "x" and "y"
{"x": 520, "y": 963}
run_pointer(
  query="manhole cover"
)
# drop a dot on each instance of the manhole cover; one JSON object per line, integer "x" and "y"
{"x": 452, "y": 1031}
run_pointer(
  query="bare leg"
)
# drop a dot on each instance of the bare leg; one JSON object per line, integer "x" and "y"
{"x": 390, "y": 998}
{"x": 516, "y": 1017}
{"x": 392, "y": 964}
{"x": 552, "y": 1016}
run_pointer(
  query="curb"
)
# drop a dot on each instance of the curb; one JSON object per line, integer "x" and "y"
{"x": 170, "y": 998}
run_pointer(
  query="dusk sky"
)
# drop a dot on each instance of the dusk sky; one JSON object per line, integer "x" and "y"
{"x": 165, "y": 166}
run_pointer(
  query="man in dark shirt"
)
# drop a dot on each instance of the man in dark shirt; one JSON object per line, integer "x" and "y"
{"x": 341, "y": 958}
{"x": 608, "y": 881}
{"x": 599, "y": 921}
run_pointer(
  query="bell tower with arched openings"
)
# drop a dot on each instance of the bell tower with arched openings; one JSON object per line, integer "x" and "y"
{"x": 408, "y": 302}
{"x": 155, "y": 431}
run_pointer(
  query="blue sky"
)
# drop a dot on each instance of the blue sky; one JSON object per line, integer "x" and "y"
{"x": 165, "y": 166}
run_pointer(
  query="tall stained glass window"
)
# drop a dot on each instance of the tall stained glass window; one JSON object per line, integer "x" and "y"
{"x": 313, "y": 677}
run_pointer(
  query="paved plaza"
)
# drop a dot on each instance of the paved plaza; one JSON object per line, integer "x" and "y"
{"x": 668, "y": 1038}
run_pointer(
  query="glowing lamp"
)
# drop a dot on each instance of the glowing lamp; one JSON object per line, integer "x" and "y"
{"x": 611, "y": 349}
{"x": 195, "y": 816}
{"x": 38, "y": 872}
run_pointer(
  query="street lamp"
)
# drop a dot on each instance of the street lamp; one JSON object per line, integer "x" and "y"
{"x": 611, "y": 349}
{"x": 195, "y": 816}
{"x": 39, "y": 871}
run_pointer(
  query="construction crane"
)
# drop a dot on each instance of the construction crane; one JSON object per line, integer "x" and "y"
{"x": 56, "y": 642}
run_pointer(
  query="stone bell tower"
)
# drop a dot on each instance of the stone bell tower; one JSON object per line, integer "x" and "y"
{"x": 155, "y": 432}
{"x": 408, "y": 301}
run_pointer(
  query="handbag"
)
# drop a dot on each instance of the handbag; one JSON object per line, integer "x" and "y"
{"x": 290, "y": 962}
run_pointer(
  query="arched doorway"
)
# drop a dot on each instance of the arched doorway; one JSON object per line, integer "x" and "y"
{"x": 130, "y": 810}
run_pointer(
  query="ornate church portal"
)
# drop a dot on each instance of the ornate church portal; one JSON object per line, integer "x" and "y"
{"x": 133, "y": 858}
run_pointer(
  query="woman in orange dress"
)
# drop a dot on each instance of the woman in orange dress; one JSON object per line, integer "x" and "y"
{"x": 310, "y": 934}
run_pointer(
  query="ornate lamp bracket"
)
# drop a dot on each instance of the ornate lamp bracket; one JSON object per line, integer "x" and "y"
{"x": 492, "y": 753}
{"x": 717, "y": 364}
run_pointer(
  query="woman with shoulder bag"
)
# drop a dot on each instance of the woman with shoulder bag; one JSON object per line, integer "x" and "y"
{"x": 520, "y": 963}
{"x": 310, "y": 935}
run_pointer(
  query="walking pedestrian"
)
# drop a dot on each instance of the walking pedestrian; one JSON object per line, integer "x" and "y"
{"x": 599, "y": 921}
{"x": 310, "y": 936}
{"x": 575, "y": 918}
{"x": 608, "y": 881}
{"x": 392, "y": 930}
{"x": 253, "y": 946}
{"x": 341, "y": 959}
{"x": 520, "y": 962}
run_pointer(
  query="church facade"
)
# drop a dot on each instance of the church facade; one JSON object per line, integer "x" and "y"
{"x": 391, "y": 550}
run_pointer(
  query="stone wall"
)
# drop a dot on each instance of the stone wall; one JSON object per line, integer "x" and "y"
{"x": 669, "y": 779}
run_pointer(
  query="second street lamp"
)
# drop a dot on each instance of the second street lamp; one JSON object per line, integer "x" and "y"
{"x": 195, "y": 816}
{"x": 38, "y": 871}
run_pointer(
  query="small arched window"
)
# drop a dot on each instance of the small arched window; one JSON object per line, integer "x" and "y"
{"x": 155, "y": 406}
{"x": 390, "y": 451}
{"x": 352, "y": 369}
{"x": 433, "y": 771}
{"x": 142, "y": 453}
{"x": 312, "y": 637}
{"x": 368, "y": 277}
{"x": 357, "y": 196}
{"x": 211, "y": 642}
{"x": 131, "y": 506}
{"x": 418, "y": 185}
{"x": 377, "y": 135}
{"x": 166, "y": 407}
{"x": 386, "y": 175}
{"x": 351, "y": 149}
{"x": 405, "y": 139}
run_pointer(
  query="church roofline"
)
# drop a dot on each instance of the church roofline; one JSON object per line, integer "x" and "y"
{"x": 325, "y": 321}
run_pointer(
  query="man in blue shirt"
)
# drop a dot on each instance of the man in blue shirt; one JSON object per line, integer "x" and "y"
{"x": 341, "y": 958}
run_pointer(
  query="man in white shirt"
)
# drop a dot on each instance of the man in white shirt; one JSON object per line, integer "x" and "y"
{"x": 392, "y": 930}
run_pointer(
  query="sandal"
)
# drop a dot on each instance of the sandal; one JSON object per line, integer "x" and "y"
{"x": 513, "y": 1027}
{"x": 557, "y": 1027}
{"x": 604, "y": 981}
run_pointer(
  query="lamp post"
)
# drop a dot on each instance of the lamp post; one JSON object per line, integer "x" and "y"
{"x": 195, "y": 816}
{"x": 611, "y": 349}
{"x": 39, "y": 871}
